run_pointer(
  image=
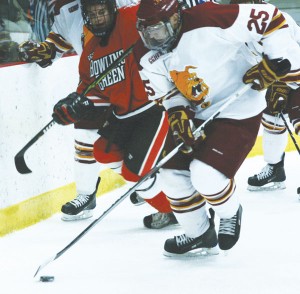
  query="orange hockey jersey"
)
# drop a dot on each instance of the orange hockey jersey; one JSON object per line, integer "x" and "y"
{"x": 123, "y": 86}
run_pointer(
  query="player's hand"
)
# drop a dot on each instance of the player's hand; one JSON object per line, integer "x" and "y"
{"x": 73, "y": 108}
{"x": 267, "y": 72}
{"x": 277, "y": 97}
{"x": 180, "y": 121}
{"x": 40, "y": 53}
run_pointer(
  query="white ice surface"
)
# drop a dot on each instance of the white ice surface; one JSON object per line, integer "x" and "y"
{"x": 120, "y": 256}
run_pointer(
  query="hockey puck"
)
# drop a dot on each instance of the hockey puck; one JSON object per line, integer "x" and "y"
{"x": 47, "y": 278}
{"x": 298, "y": 191}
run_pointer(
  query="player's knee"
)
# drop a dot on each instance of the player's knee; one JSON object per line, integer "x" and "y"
{"x": 273, "y": 124}
{"x": 176, "y": 183}
{"x": 84, "y": 152}
{"x": 102, "y": 155}
{"x": 206, "y": 179}
{"x": 129, "y": 175}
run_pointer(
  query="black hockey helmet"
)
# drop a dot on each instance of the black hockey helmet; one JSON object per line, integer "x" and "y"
{"x": 153, "y": 23}
{"x": 99, "y": 16}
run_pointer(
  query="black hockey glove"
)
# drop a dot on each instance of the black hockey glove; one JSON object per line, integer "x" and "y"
{"x": 40, "y": 53}
{"x": 180, "y": 124}
{"x": 267, "y": 72}
{"x": 73, "y": 108}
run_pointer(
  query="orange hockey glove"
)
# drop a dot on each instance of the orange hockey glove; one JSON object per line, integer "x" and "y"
{"x": 265, "y": 73}
{"x": 277, "y": 97}
{"x": 41, "y": 53}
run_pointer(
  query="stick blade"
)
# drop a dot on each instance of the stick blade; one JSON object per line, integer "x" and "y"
{"x": 21, "y": 165}
{"x": 44, "y": 264}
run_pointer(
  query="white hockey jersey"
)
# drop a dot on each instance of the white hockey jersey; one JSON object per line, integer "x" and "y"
{"x": 257, "y": 48}
{"x": 211, "y": 45}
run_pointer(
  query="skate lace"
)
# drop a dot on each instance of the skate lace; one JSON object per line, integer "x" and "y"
{"x": 227, "y": 225}
{"x": 183, "y": 240}
{"x": 266, "y": 172}
{"x": 159, "y": 217}
{"x": 80, "y": 200}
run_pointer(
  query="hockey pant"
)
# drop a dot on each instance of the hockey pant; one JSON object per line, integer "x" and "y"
{"x": 136, "y": 143}
{"x": 208, "y": 177}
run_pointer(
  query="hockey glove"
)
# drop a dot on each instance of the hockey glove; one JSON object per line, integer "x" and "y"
{"x": 180, "y": 121}
{"x": 265, "y": 73}
{"x": 277, "y": 97}
{"x": 41, "y": 53}
{"x": 73, "y": 108}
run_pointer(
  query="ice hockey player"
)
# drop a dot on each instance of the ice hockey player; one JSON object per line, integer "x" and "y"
{"x": 275, "y": 136}
{"x": 67, "y": 33}
{"x": 133, "y": 129}
{"x": 201, "y": 51}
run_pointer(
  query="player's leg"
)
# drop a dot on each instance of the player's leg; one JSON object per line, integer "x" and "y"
{"x": 215, "y": 164}
{"x": 190, "y": 210}
{"x": 86, "y": 173}
{"x": 144, "y": 149}
{"x": 275, "y": 137}
{"x": 86, "y": 169}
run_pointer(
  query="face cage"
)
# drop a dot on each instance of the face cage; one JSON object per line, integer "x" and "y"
{"x": 97, "y": 31}
{"x": 160, "y": 36}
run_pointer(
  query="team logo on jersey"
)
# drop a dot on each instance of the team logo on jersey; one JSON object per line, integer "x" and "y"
{"x": 98, "y": 66}
{"x": 154, "y": 57}
{"x": 191, "y": 86}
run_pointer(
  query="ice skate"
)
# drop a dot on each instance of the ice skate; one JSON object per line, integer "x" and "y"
{"x": 159, "y": 220}
{"x": 136, "y": 199}
{"x": 229, "y": 230}
{"x": 184, "y": 246}
{"x": 272, "y": 177}
{"x": 79, "y": 208}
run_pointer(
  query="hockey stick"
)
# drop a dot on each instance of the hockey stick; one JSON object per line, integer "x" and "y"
{"x": 153, "y": 171}
{"x": 20, "y": 163}
{"x": 290, "y": 132}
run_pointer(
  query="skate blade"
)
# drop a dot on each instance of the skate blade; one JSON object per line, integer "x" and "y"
{"x": 139, "y": 203}
{"x": 85, "y": 214}
{"x": 165, "y": 227}
{"x": 198, "y": 253}
{"x": 268, "y": 187}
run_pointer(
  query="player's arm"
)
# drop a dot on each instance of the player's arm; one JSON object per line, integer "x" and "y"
{"x": 43, "y": 53}
{"x": 54, "y": 46}
{"x": 266, "y": 24}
